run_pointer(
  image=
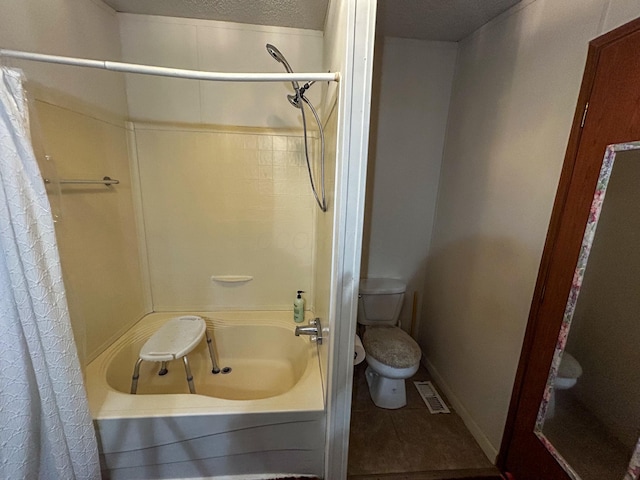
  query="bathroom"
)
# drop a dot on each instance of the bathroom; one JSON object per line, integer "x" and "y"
{"x": 483, "y": 162}
{"x": 483, "y": 216}
{"x": 141, "y": 246}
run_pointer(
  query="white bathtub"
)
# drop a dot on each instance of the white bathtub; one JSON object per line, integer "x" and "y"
{"x": 265, "y": 417}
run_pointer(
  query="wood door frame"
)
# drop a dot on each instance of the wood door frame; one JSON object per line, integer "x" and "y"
{"x": 596, "y": 46}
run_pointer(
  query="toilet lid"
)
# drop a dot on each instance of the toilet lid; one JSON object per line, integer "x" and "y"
{"x": 391, "y": 346}
{"x": 381, "y": 286}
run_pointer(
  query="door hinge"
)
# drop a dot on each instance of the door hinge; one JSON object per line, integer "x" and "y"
{"x": 584, "y": 114}
{"x": 544, "y": 289}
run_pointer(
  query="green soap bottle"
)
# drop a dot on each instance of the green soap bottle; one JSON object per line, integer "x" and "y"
{"x": 298, "y": 308}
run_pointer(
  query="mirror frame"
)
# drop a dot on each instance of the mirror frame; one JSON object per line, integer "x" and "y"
{"x": 633, "y": 470}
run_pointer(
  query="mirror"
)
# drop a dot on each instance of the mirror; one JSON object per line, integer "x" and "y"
{"x": 589, "y": 418}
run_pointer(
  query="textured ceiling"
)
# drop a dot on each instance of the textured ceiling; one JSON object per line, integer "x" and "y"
{"x": 307, "y": 14}
{"x": 449, "y": 20}
{"x": 446, "y": 20}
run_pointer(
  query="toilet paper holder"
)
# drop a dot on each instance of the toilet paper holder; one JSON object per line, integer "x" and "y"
{"x": 359, "y": 354}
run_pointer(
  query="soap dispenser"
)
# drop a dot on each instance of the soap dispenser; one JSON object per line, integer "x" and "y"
{"x": 298, "y": 308}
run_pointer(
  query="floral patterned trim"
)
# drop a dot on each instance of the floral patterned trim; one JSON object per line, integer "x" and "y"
{"x": 633, "y": 471}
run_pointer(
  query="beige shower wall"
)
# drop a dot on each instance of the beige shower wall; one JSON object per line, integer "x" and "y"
{"x": 221, "y": 201}
{"x": 96, "y": 227}
{"x": 324, "y": 238}
{"x": 224, "y": 185}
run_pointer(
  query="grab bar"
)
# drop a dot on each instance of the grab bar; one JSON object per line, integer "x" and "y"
{"x": 105, "y": 181}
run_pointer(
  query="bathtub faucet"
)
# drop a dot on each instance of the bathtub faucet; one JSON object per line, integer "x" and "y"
{"x": 314, "y": 329}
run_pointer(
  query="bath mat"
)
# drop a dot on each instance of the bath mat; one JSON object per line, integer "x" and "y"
{"x": 431, "y": 397}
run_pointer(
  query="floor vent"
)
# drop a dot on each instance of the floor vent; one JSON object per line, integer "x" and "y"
{"x": 431, "y": 397}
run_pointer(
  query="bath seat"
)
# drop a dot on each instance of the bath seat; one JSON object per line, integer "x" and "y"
{"x": 175, "y": 339}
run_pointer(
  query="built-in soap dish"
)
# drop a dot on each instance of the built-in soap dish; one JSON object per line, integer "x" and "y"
{"x": 231, "y": 278}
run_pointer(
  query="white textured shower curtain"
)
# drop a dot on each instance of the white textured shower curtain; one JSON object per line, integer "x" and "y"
{"x": 45, "y": 426}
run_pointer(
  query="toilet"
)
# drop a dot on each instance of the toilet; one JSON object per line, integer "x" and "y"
{"x": 568, "y": 373}
{"x": 392, "y": 355}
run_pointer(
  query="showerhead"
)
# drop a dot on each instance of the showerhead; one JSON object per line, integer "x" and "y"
{"x": 278, "y": 56}
{"x": 294, "y": 100}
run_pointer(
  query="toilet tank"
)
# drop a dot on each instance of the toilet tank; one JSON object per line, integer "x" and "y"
{"x": 380, "y": 301}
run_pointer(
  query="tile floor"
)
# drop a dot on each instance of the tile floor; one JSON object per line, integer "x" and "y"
{"x": 410, "y": 443}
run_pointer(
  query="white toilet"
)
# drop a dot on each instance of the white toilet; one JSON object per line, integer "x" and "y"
{"x": 392, "y": 355}
{"x": 568, "y": 373}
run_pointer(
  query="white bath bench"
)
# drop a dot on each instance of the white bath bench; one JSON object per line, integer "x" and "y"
{"x": 175, "y": 339}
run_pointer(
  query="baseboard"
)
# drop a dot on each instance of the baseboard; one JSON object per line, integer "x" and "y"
{"x": 489, "y": 450}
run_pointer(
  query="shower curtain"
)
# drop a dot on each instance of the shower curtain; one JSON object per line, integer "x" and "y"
{"x": 46, "y": 430}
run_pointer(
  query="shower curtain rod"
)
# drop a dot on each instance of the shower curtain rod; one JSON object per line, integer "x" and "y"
{"x": 172, "y": 72}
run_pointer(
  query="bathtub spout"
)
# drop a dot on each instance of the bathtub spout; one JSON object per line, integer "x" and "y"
{"x": 306, "y": 331}
{"x": 314, "y": 329}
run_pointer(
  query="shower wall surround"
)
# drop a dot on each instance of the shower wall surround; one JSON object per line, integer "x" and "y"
{"x": 222, "y": 47}
{"x": 223, "y": 179}
{"x": 96, "y": 231}
{"x": 225, "y": 201}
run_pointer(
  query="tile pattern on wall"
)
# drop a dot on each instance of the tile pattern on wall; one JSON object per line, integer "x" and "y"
{"x": 225, "y": 202}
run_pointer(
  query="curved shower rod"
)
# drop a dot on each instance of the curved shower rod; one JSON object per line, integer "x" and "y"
{"x": 171, "y": 72}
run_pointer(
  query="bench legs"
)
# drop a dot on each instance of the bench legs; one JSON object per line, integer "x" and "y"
{"x": 192, "y": 388}
{"x": 136, "y": 375}
{"x": 163, "y": 369}
{"x": 214, "y": 364}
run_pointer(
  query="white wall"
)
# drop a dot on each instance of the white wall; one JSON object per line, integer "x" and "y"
{"x": 515, "y": 90}
{"x": 215, "y": 46}
{"x": 404, "y": 159}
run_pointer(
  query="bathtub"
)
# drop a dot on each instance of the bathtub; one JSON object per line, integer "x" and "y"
{"x": 263, "y": 419}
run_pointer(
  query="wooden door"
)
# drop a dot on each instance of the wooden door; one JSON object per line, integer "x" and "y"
{"x": 611, "y": 89}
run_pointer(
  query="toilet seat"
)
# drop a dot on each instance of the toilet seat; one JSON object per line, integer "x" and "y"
{"x": 391, "y": 347}
{"x": 568, "y": 372}
{"x": 392, "y": 356}
{"x": 391, "y": 372}
{"x": 569, "y": 366}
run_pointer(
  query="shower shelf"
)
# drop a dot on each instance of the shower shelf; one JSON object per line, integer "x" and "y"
{"x": 231, "y": 278}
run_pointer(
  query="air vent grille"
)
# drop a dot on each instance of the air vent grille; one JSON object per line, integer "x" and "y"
{"x": 431, "y": 397}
